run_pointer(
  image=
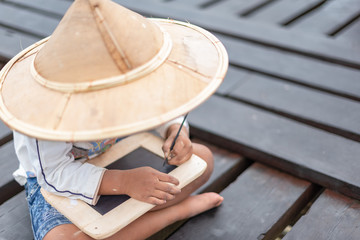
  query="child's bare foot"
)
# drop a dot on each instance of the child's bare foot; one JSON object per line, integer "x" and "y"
{"x": 196, "y": 204}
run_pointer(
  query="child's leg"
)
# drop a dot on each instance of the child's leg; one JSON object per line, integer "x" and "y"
{"x": 150, "y": 222}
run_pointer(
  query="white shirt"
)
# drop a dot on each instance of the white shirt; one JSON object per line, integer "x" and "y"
{"x": 56, "y": 170}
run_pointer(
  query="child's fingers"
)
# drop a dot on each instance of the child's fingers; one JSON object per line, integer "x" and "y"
{"x": 165, "y": 187}
{"x": 162, "y": 195}
{"x": 182, "y": 151}
{"x": 167, "y": 145}
{"x": 168, "y": 178}
{"x": 155, "y": 201}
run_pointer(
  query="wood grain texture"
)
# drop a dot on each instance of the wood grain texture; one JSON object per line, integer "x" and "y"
{"x": 350, "y": 35}
{"x": 54, "y": 8}
{"x": 5, "y": 133}
{"x": 329, "y": 17}
{"x": 233, "y": 7}
{"x": 304, "y": 151}
{"x": 234, "y": 77}
{"x": 332, "y": 216}
{"x": 187, "y": 3}
{"x": 294, "y": 41}
{"x": 27, "y": 22}
{"x": 261, "y": 197}
{"x": 329, "y": 112}
{"x": 13, "y": 42}
{"x": 15, "y": 220}
{"x": 304, "y": 70}
{"x": 282, "y": 10}
{"x": 8, "y": 163}
{"x": 227, "y": 167}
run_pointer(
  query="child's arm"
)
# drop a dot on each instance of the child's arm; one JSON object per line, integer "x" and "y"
{"x": 145, "y": 184}
{"x": 56, "y": 170}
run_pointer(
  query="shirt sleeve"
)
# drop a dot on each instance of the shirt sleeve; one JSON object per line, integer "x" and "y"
{"x": 161, "y": 130}
{"x": 58, "y": 172}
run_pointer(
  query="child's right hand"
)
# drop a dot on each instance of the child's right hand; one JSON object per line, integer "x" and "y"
{"x": 149, "y": 185}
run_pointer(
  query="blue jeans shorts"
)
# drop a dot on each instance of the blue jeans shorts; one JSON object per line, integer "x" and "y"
{"x": 43, "y": 216}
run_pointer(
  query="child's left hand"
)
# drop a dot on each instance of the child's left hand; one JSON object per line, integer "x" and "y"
{"x": 182, "y": 150}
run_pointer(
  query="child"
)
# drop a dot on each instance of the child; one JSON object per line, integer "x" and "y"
{"x": 53, "y": 165}
{"x": 107, "y": 72}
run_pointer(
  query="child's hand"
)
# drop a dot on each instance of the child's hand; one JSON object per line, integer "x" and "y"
{"x": 182, "y": 150}
{"x": 149, "y": 185}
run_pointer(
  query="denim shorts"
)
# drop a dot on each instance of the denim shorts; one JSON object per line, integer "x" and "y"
{"x": 43, "y": 216}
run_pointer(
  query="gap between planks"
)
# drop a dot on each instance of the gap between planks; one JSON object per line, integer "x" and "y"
{"x": 254, "y": 32}
{"x": 301, "y": 104}
{"x": 306, "y": 152}
{"x": 258, "y": 205}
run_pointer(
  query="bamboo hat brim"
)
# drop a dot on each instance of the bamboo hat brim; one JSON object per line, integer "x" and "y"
{"x": 47, "y": 96}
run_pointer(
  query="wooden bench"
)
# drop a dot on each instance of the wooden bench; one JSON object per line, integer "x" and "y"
{"x": 290, "y": 102}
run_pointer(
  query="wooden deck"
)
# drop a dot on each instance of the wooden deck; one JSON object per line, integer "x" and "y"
{"x": 284, "y": 125}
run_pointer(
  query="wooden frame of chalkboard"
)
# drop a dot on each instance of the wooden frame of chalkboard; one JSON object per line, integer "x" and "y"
{"x": 101, "y": 225}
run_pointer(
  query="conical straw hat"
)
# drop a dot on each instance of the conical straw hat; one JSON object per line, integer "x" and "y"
{"x": 108, "y": 72}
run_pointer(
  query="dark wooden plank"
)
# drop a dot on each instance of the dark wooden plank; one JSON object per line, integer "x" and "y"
{"x": 55, "y": 8}
{"x": 234, "y": 7}
{"x": 307, "y": 152}
{"x": 5, "y": 133}
{"x": 8, "y": 164}
{"x": 351, "y": 34}
{"x": 187, "y": 3}
{"x": 233, "y": 78}
{"x": 15, "y": 220}
{"x": 258, "y": 205}
{"x": 326, "y": 76}
{"x": 282, "y": 11}
{"x": 27, "y": 22}
{"x": 329, "y": 17}
{"x": 13, "y": 42}
{"x": 294, "y": 41}
{"x": 227, "y": 167}
{"x": 329, "y": 112}
{"x": 332, "y": 216}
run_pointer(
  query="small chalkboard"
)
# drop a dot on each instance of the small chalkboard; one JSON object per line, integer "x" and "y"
{"x": 137, "y": 158}
{"x": 112, "y": 213}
